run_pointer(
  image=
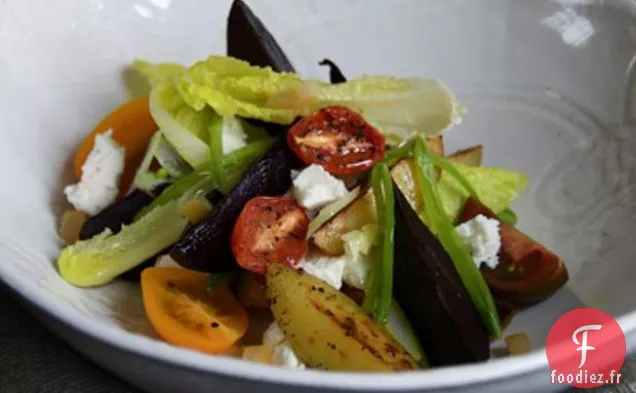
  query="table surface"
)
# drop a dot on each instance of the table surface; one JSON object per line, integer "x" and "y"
{"x": 32, "y": 360}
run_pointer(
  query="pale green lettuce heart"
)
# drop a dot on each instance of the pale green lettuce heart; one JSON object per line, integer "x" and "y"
{"x": 496, "y": 188}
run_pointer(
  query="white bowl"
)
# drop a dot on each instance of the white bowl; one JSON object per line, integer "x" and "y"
{"x": 550, "y": 91}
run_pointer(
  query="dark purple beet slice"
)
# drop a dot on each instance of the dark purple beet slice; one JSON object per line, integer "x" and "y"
{"x": 429, "y": 290}
{"x": 134, "y": 274}
{"x": 206, "y": 246}
{"x": 335, "y": 75}
{"x": 119, "y": 213}
{"x": 249, "y": 40}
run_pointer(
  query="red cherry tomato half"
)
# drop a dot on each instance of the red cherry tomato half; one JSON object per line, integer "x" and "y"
{"x": 338, "y": 139}
{"x": 528, "y": 272}
{"x": 270, "y": 230}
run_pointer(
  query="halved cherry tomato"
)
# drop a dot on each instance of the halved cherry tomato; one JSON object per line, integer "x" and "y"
{"x": 270, "y": 230}
{"x": 132, "y": 127}
{"x": 338, "y": 139}
{"x": 528, "y": 272}
{"x": 184, "y": 313}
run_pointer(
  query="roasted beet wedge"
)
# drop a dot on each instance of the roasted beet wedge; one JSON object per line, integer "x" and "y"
{"x": 113, "y": 217}
{"x": 249, "y": 40}
{"x": 335, "y": 75}
{"x": 206, "y": 246}
{"x": 120, "y": 213}
{"x": 134, "y": 274}
{"x": 428, "y": 288}
{"x": 528, "y": 273}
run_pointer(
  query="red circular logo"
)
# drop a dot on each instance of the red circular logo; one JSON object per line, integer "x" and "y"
{"x": 586, "y": 349}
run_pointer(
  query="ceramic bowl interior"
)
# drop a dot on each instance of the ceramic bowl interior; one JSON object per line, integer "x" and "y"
{"x": 549, "y": 88}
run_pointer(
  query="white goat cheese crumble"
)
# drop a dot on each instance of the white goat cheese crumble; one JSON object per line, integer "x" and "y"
{"x": 325, "y": 268}
{"x": 481, "y": 236}
{"x": 314, "y": 187}
{"x": 282, "y": 353}
{"x": 99, "y": 185}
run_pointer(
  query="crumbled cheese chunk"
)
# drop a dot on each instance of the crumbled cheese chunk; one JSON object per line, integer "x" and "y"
{"x": 353, "y": 267}
{"x": 481, "y": 236}
{"x": 282, "y": 353}
{"x": 358, "y": 246}
{"x": 258, "y": 353}
{"x": 357, "y": 270}
{"x": 273, "y": 335}
{"x": 314, "y": 187}
{"x": 167, "y": 261}
{"x": 99, "y": 185}
{"x": 233, "y": 135}
{"x": 327, "y": 269}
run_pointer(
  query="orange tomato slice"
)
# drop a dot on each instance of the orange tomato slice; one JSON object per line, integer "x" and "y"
{"x": 132, "y": 126}
{"x": 183, "y": 313}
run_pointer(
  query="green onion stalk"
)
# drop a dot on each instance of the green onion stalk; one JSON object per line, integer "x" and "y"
{"x": 441, "y": 225}
{"x": 377, "y": 301}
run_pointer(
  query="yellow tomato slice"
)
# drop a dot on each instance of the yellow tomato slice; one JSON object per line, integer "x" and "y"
{"x": 132, "y": 127}
{"x": 183, "y": 313}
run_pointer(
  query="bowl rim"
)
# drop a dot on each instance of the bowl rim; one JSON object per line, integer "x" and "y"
{"x": 488, "y": 372}
{"x": 140, "y": 345}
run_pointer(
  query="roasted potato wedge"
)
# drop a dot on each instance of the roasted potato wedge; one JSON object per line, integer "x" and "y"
{"x": 471, "y": 156}
{"x": 436, "y": 144}
{"x": 362, "y": 210}
{"x": 326, "y": 329}
{"x": 403, "y": 173}
{"x": 359, "y": 213}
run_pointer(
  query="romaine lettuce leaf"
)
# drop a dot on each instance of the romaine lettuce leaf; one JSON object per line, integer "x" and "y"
{"x": 169, "y": 159}
{"x": 399, "y": 107}
{"x": 186, "y": 187}
{"x": 234, "y": 88}
{"x": 358, "y": 247}
{"x": 496, "y": 188}
{"x": 188, "y": 130}
{"x": 150, "y": 180}
{"x": 401, "y": 329}
{"x": 183, "y": 127}
{"x": 100, "y": 259}
{"x": 171, "y": 164}
{"x": 158, "y": 73}
{"x": 144, "y": 178}
{"x": 361, "y": 241}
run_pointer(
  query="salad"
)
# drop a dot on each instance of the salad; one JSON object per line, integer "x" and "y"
{"x": 239, "y": 193}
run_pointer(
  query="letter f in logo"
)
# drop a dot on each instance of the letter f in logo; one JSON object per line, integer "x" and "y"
{"x": 584, "y": 347}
